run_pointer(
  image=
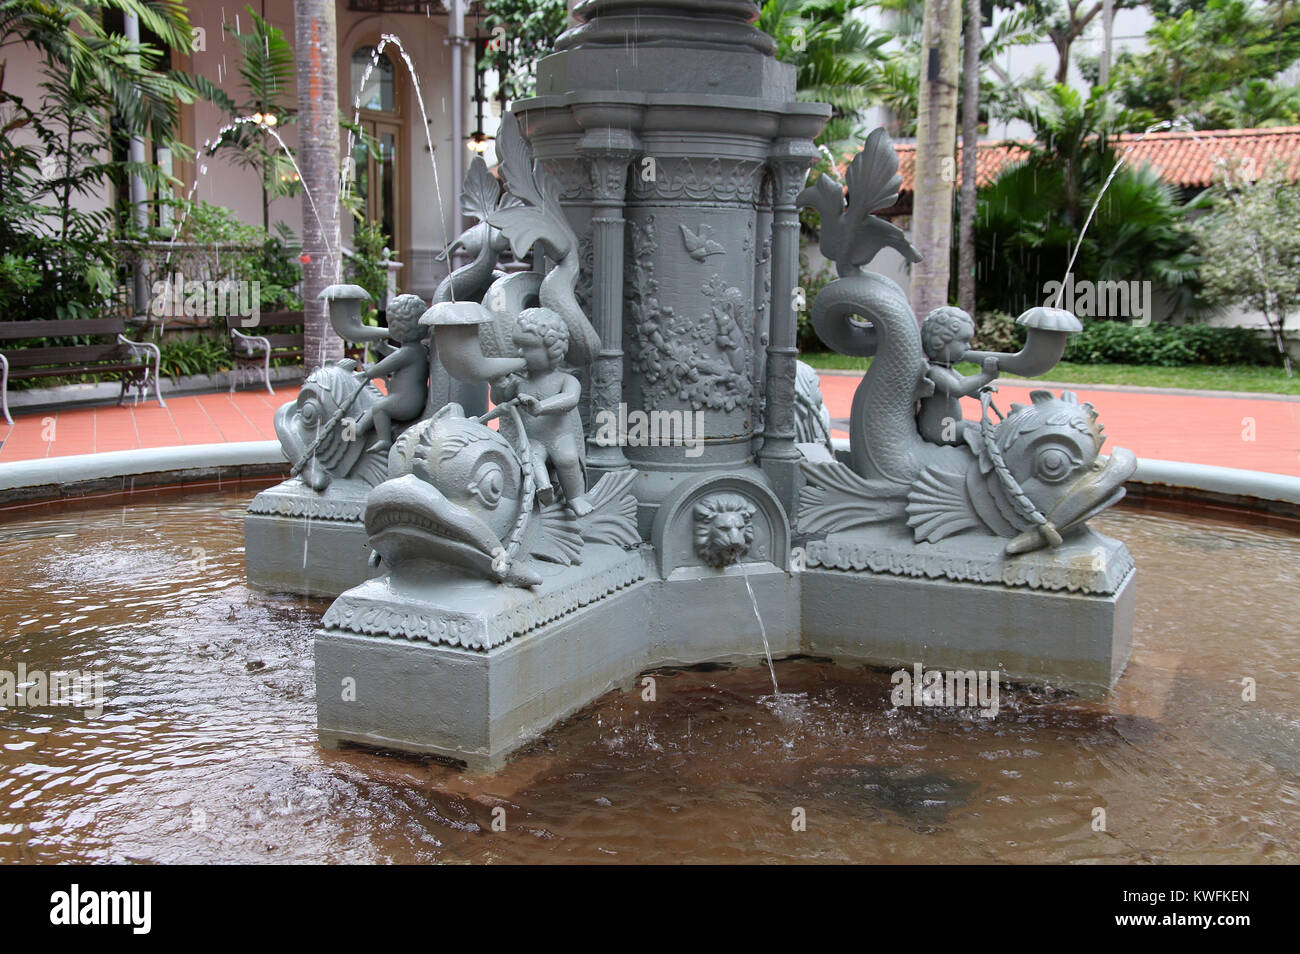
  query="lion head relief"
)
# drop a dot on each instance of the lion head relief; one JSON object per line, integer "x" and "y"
{"x": 724, "y": 529}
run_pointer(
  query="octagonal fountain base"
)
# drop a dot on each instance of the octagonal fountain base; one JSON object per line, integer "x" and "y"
{"x": 479, "y": 669}
{"x": 465, "y": 685}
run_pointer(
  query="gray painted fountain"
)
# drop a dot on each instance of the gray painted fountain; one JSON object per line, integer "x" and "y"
{"x": 660, "y": 486}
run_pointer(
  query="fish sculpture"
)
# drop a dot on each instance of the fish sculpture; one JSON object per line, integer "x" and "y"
{"x": 1030, "y": 478}
{"x": 317, "y": 439}
{"x": 460, "y": 495}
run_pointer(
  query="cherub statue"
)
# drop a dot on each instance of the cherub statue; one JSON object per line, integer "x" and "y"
{"x": 946, "y": 335}
{"x": 406, "y": 368}
{"x": 547, "y": 399}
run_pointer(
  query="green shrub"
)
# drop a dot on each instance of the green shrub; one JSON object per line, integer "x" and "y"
{"x": 997, "y": 331}
{"x": 196, "y": 354}
{"x": 367, "y": 267}
{"x": 1167, "y": 346}
{"x": 215, "y": 244}
{"x": 812, "y": 282}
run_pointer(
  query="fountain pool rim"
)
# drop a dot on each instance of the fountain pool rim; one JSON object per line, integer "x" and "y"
{"x": 1160, "y": 483}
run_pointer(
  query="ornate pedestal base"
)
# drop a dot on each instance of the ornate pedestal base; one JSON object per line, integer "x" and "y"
{"x": 299, "y": 541}
{"x": 1062, "y": 617}
{"x": 480, "y": 670}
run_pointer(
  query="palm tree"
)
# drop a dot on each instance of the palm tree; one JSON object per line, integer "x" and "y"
{"x": 972, "y": 41}
{"x": 315, "y": 41}
{"x": 70, "y": 36}
{"x": 837, "y": 60}
{"x": 1030, "y": 218}
{"x": 936, "y": 134}
{"x": 1254, "y": 104}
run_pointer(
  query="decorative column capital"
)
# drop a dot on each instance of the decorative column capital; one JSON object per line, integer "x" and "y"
{"x": 608, "y": 152}
{"x": 789, "y": 161}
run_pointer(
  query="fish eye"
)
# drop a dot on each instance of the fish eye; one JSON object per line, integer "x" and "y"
{"x": 1053, "y": 464}
{"x": 489, "y": 484}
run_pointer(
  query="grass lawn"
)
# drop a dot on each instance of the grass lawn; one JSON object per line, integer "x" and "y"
{"x": 1196, "y": 377}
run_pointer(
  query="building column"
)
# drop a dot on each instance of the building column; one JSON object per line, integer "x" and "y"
{"x": 788, "y": 163}
{"x": 608, "y": 151}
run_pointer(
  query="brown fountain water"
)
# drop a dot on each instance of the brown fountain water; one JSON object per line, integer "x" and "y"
{"x": 206, "y": 747}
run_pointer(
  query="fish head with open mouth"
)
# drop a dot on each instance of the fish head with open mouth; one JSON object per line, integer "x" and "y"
{"x": 457, "y": 502}
{"x": 1051, "y": 448}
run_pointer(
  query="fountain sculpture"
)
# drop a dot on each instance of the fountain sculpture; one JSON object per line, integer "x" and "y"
{"x": 660, "y": 487}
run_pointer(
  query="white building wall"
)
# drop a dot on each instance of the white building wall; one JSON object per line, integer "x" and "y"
{"x": 428, "y": 195}
{"x": 225, "y": 183}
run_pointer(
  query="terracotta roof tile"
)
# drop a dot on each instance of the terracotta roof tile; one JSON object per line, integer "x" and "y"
{"x": 1184, "y": 159}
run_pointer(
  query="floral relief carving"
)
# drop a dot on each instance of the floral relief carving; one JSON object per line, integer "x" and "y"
{"x": 703, "y": 360}
{"x": 732, "y": 180}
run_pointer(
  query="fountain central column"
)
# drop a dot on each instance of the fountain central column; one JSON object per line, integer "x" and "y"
{"x": 655, "y": 168}
{"x": 687, "y": 101}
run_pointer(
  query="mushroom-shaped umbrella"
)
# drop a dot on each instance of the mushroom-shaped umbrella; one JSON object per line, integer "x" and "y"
{"x": 344, "y": 303}
{"x": 455, "y": 332}
{"x": 1048, "y": 330}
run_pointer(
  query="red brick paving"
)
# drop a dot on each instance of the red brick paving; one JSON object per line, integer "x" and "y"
{"x": 1164, "y": 426}
{"x": 196, "y": 419}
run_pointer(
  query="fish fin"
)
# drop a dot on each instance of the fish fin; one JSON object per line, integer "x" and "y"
{"x": 613, "y": 512}
{"x": 937, "y": 505}
{"x": 612, "y": 520}
{"x": 372, "y": 468}
{"x": 836, "y": 498}
{"x": 558, "y": 538}
{"x": 990, "y": 503}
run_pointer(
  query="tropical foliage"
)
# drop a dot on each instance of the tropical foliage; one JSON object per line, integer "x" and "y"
{"x": 1251, "y": 250}
{"x": 202, "y": 353}
{"x": 214, "y": 244}
{"x": 837, "y": 57}
{"x": 1031, "y": 219}
{"x": 368, "y": 268}
{"x": 523, "y": 31}
{"x": 1215, "y": 66}
{"x": 58, "y": 256}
